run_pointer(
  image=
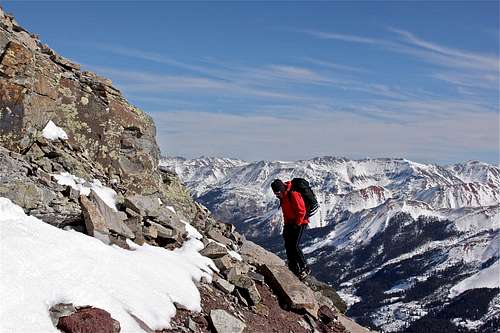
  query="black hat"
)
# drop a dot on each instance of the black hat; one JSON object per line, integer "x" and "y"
{"x": 278, "y": 186}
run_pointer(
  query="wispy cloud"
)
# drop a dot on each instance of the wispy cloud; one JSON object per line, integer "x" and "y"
{"x": 476, "y": 70}
{"x": 456, "y": 56}
{"x": 346, "y": 37}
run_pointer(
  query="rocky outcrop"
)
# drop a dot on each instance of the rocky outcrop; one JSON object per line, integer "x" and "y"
{"x": 37, "y": 86}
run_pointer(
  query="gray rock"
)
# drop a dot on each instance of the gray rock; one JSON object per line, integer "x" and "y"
{"x": 60, "y": 310}
{"x": 165, "y": 233}
{"x": 112, "y": 219}
{"x": 143, "y": 205}
{"x": 218, "y": 237}
{"x": 258, "y": 256}
{"x": 290, "y": 289}
{"x": 224, "y": 285}
{"x": 170, "y": 220}
{"x": 134, "y": 224}
{"x": 94, "y": 221}
{"x": 247, "y": 288}
{"x": 100, "y": 219}
{"x": 191, "y": 324}
{"x": 223, "y": 322}
{"x": 238, "y": 269}
{"x": 256, "y": 276}
{"x": 214, "y": 250}
{"x": 224, "y": 263}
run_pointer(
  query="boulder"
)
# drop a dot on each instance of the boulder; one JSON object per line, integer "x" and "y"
{"x": 143, "y": 205}
{"x": 86, "y": 320}
{"x": 223, "y": 322}
{"x": 101, "y": 219}
{"x": 224, "y": 285}
{"x": 290, "y": 289}
{"x": 94, "y": 221}
{"x": 111, "y": 217}
{"x": 169, "y": 219}
{"x": 258, "y": 256}
{"x": 214, "y": 250}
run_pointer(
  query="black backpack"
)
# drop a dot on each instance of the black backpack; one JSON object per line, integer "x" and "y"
{"x": 302, "y": 186}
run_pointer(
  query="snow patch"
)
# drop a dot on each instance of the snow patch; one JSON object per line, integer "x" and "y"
{"x": 53, "y": 132}
{"x": 348, "y": 298}
{"x": 108, "y": 195}
{"x": 43, "y": 265}
{"x": 485, "y": 278}
{"x": 192, "y": 231}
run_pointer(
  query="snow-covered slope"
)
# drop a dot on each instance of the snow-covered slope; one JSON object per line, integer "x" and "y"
{"x": 413, "y": 243}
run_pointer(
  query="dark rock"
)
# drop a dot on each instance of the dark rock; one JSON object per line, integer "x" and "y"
{"x": 86, "y": 320}
{"x": 326, "y": 315}
{"x": 328, "y": 292}
{"x": 247, "y": 288}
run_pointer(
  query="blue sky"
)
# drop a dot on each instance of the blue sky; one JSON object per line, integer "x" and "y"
{"x": 294, "y": 80}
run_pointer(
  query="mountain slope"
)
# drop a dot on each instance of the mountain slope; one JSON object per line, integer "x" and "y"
{"x": 398, "y": 238}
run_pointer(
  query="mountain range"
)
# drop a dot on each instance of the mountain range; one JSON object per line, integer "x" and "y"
{"x": 412, "y": 247}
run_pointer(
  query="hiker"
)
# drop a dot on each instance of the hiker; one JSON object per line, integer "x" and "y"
{"x": 296, "y": 220}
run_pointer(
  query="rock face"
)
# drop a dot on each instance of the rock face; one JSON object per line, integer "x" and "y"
{"x": 37, "y": 86}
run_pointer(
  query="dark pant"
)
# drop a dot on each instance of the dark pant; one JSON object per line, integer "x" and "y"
{"x": 292, "y": 234}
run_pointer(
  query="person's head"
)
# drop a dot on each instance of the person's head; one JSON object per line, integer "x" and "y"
{"x": 278, "y": 187}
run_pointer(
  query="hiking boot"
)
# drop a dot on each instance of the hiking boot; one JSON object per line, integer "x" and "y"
{"x": 304, "y": 273}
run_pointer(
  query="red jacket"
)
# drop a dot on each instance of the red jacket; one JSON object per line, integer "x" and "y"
{"x": 293, "y": 206}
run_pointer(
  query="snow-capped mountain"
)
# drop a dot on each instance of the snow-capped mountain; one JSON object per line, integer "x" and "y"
{"x": 413, "y": 246}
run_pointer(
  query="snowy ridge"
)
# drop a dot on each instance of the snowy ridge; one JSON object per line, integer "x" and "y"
{"x": 343, "y": 186}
